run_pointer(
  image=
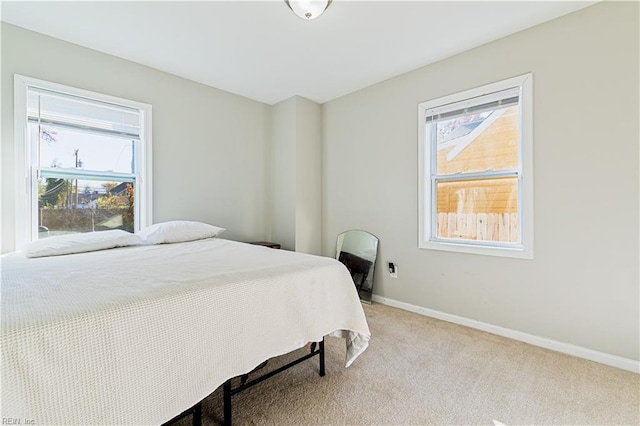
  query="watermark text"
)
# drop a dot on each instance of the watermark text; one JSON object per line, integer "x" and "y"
{"x": 17, "y": 421}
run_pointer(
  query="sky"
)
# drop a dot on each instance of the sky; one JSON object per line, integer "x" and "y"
{"x": 96, "y": 152}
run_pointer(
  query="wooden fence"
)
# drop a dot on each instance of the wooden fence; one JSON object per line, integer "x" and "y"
{"x": 502, "y": 227}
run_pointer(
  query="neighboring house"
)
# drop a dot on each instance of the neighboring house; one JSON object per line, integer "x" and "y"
{"x": 120, "y": 189}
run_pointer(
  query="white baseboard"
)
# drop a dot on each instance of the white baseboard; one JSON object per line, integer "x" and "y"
{"x": 566, "y": 348}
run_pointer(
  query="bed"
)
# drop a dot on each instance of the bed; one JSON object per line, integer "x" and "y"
{"x": 139, "y": 334}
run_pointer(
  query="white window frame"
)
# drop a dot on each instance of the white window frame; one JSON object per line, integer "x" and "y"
{"x": 426, "y": 168}
{"x": 26, "y": 169}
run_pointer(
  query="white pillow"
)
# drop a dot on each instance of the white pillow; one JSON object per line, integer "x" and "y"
{"x": 177, "y": 231}
{"x": 80, "y": 243}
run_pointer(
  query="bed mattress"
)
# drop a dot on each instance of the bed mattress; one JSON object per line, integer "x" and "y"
{"x": 136, "y": 335}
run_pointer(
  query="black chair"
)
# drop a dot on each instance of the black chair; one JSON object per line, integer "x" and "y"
{"x": 358, "y": 267}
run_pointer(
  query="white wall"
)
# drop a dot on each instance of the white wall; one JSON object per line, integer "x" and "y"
{"x": 582, "y": 286}
{"x": 209, "y": 146}
{"x": 309, "y": 177}
{"x": 283, "y": 173}
{"x": 295, "y": 171}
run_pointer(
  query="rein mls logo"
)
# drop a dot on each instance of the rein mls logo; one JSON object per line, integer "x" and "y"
{"x": 16, "y": 421}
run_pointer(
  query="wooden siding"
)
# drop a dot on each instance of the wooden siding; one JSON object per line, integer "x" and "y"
{"x": 496, "y": 148}
{"x": 475, "y": 196}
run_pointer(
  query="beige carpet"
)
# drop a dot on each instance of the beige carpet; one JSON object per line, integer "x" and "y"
{"x": 422, "y": 371}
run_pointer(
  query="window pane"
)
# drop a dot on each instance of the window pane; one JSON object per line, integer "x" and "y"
{"x": 70, "y": 148}
{"x": 484, "y": 209}
{"x": 478, "y": 142}
{"x": 70, "y": 206}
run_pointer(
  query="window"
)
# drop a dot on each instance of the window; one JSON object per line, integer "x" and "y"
{"x": 476, "y": 166}
{"x": 84, "y": 159}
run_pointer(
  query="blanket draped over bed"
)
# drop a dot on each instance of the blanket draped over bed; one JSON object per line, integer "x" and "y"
{"x": 136, "y": 335}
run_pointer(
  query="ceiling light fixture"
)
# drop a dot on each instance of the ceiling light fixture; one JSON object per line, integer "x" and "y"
{"x": 308, "y": 9}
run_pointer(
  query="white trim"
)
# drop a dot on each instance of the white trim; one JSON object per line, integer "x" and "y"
{"x": 145, "y": 161}
{"x": 524, "y": 250}
{"x": 542, "y": 342}
{"x": 22, "y": 204}
{"x": 24, "y": 170}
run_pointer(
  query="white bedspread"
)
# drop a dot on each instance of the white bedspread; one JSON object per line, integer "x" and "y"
{"x": 137, "y": 335}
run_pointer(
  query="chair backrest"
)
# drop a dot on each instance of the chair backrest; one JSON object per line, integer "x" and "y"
{"x": 357, "y": 250}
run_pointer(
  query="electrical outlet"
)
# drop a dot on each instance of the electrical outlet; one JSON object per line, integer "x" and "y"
{"x": 393, "y": 269}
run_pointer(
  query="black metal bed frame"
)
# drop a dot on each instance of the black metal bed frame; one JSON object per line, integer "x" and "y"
{"x": 228, "y": 390}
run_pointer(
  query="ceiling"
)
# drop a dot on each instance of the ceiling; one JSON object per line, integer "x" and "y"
{"x": 261, "y": 50}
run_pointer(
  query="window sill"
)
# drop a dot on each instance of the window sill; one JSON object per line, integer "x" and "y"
{"x": 518, "y": 253}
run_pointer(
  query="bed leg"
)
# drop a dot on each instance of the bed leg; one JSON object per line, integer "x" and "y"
{"x": 226, "y": 401}
{"x": 322, "y": 357}
{"x": 197, "y": 415}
